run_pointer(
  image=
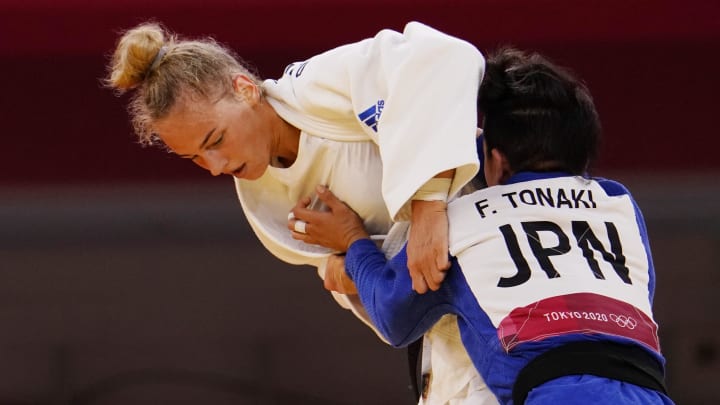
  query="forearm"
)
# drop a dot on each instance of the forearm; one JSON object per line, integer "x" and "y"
{"x": 400, "y": 314}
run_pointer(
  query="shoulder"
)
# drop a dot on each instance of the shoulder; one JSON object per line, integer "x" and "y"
{"x": 611, "y": 187}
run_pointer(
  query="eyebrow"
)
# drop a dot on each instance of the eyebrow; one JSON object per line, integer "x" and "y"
{"x": 202, "y": 144}
{"x": 207, "y": 137}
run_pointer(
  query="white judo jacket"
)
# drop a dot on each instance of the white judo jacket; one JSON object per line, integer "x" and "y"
{"x": 378, "y": 119}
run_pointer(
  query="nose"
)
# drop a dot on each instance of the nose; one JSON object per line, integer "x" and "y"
{"x": 214, "y": 162}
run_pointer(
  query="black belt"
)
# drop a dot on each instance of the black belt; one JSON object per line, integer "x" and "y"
{"x": 627, "y": 363}
{"x": 414, "y": 353}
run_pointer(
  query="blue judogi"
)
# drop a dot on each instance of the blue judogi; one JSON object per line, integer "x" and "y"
{"x": 538, "y": 263}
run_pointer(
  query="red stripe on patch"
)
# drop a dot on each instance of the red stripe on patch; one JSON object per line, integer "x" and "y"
{"x": 577, "y": 313}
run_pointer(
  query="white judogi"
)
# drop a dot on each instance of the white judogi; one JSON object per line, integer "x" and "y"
{"x": 378, "y": 119}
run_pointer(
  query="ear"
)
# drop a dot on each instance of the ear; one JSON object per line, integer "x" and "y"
{"x": 497, "y": 167}
{"x": 246, "y": 89}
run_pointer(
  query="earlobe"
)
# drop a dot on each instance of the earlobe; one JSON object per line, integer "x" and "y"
{"x": 503, "y": 165}
{"x": 497, "y": 167}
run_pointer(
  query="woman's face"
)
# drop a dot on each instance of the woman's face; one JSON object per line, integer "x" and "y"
{"x": 229, "y": 136}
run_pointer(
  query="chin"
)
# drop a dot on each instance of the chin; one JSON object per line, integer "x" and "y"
{"x": 250, "y": 176}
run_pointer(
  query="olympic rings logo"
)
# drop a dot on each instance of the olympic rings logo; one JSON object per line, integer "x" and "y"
{"x": 624, "y": 321}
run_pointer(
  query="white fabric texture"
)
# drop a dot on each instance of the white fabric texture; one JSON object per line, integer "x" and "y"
{"x": 453, "y": 378}
{"x": 514, "y": 205}
{"x": 352, "y": 170}
{"x": 427, "y": 124}
{"x": 426, "y": 116}
{"x": 419, "y": 88}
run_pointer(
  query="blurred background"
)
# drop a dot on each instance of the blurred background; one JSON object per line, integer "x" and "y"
{"x": 128, "y": 276}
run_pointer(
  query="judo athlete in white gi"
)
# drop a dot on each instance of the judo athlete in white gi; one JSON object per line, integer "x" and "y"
{"x": 387, "y": 123}
{"x": 552, "y": 278}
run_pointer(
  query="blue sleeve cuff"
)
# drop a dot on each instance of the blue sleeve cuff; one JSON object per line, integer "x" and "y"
{"x": 356, "y": 253}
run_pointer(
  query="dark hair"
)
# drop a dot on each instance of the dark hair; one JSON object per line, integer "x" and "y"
{"x": 537, "y": 114}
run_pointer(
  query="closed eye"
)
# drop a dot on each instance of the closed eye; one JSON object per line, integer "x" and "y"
{"x": 217, "y": 141}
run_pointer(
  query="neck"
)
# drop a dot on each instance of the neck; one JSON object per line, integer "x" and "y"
{"x": 286, "y": 141}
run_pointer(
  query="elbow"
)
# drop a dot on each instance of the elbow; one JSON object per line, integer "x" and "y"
{"x": 395, "y": 341}
{"x": 398, "y": 337}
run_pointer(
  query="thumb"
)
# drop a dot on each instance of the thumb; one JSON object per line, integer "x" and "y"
{"x": 326, "y": 196}
{"x": 443, "y": 262}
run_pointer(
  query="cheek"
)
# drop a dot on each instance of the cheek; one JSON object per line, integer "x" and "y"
{"x": 231, "y": 152}
{"x": 246, "y": 147}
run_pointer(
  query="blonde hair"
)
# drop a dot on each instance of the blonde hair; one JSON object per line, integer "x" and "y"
{"x": 161, "y": 69}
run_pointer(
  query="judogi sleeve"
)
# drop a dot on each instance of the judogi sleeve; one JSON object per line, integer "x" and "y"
{"x": 399, "y": 314}
{"x": 413, "y": 93}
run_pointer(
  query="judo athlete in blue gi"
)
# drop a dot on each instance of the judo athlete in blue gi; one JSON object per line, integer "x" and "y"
{"x": 552, "y": 278}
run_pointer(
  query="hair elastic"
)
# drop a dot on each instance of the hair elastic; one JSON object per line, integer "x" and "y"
{"x": 158, "y": 57}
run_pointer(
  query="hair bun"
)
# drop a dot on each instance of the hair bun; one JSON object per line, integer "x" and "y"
{"x": 498, "y": 83}
{"x": 134, "y": 55}
{"x": 494, "y": 85}
{"x": 518, "y": 80}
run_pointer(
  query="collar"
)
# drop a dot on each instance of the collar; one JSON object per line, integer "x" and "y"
{"x": 529, "y": 176}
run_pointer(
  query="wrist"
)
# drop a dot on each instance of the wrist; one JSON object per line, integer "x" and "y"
{"x": 354, "y": 237}
{"x": 420, "y": 206}
{"x": 435, "y": 189}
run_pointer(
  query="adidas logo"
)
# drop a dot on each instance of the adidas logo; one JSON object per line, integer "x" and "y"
{"x": 371, "y": 116}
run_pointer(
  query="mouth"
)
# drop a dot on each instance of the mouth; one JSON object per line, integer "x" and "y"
{"x": 239, "y": 171}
